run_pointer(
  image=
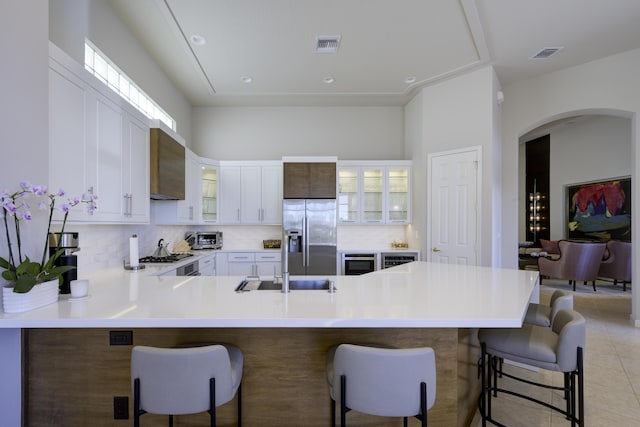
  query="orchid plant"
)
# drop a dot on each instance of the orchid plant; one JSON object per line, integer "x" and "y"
{"x": 19, "y": 268}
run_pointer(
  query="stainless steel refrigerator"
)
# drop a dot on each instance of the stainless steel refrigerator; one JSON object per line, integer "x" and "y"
{"x": 309, "y": 227}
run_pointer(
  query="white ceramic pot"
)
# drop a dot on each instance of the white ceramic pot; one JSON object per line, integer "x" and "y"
{"x": 40, "y": 295}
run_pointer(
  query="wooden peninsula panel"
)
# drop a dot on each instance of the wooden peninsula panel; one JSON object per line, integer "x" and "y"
{"x": 73, "y": 374}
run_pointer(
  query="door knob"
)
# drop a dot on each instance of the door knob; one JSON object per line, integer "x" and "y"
{"x": 435, "y": 250}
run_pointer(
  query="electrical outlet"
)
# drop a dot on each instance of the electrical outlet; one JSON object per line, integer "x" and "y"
{"x": 120, "y": 337}
{"x": 120, "y": 407}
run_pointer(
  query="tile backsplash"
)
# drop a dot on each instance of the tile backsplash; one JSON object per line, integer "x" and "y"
{"x": 105, "y": 246}
{"x": 377, "y": 237}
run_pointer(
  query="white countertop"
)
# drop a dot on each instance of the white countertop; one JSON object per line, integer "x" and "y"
{"x": 419, "y": 294}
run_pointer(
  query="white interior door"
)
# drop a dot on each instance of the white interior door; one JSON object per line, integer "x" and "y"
{"x": 453, "y": 210}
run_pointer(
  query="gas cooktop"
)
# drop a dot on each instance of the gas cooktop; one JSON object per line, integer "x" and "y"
{"x": 165, "y": 259}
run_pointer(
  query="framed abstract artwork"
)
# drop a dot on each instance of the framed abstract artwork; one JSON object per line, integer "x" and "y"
{"x": 599, "y": 210}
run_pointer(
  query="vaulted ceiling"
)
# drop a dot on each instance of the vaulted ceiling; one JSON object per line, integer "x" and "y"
{"x": 263, "y": 52}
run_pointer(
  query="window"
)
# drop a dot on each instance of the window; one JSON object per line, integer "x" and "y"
{"x": 106, "y": 71}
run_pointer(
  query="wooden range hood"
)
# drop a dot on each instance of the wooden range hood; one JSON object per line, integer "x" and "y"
{"x": 167, "y": 167}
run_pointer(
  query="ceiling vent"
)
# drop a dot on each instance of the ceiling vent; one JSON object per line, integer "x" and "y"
{"x": 327, "y": 44}
{"x": 546, "y": 53}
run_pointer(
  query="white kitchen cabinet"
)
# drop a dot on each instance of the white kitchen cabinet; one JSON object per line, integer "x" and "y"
{"x": 361, "y": 191}
{"x": 209, "y": 181}
{"x": 230, "y": 194}
{"x": 268, "y": 263}
{"x": 222, "y": 264}
{"x": 242, "y": 264}
{"x": 72, "y": 154}
{"x": 271, "y": 186}
{"x": 207, "y": 265}
{"x": 136, "y": 170}
{"x": 398, "y": 206}
{"x": 372, "y": 195}
{"x": 250, "y": 193}
{"x": 348, "y": 195}
{"x": 189, "y": 208}
{"x": 374, "y": 192}
{"x": 263, "y": 263}
{"x": 98, "y": 145}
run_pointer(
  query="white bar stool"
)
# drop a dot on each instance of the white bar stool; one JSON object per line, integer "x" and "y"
{"x": 176, "y": 381}
{"x": 559, "y": 348}
{"x": 381, "y": 381}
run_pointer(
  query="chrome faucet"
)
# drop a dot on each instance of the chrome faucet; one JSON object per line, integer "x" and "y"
{"x": 285, "y": 263}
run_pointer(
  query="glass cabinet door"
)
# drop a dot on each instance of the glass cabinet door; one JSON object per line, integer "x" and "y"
{"x": 372, "y": 194}
{"x": 209, "y": 193}
{"x": 398, "y": 195}
{"x": 348, "y": 197}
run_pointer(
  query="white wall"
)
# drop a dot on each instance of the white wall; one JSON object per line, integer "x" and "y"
{"x": 24, "y": 108}
{"x": 72, "y": 20}
{"x": 606, "y": 86}
{"x": 24, "y": 118}
{"x": 597, "y": 149}
{"x": 268, "y": 133}
{"x": 415, "y": 149}
{"x": 457, "y": 113}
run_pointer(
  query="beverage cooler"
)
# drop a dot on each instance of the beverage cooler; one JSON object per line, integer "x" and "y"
{"x": 391, "y": 259}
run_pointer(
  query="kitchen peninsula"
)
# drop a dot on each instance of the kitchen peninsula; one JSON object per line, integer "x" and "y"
{"x": 72, "y": 373}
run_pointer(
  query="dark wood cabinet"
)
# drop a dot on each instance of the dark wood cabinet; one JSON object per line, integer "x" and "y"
{"x": 167, "y": 160}
{"x": 309, "y": 181}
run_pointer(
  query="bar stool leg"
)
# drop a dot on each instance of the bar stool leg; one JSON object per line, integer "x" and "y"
{"x": 567, "y": 392}
{"x": 212, "y": 401}
{"x": 483, "y": 393}
{"x": 240, "y": 405}
{"x": 343, "y": 401}
{"x": 423, "y": 404}
{"x": 333, "y": 412}
{"x": 496, "y": 365}
{"x": 580, "y": 388}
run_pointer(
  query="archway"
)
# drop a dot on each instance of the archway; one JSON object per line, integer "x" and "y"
{"x": 616, "y": 144}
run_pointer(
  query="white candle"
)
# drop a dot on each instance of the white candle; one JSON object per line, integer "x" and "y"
{"x": 134, "y": 258}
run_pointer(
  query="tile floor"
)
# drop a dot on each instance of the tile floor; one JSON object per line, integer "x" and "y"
{"x": 612, "y": 366}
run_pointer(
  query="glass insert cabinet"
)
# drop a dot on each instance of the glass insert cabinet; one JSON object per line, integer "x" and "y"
{"x": 375, "y": 193}
{"x": 209, "y": 193}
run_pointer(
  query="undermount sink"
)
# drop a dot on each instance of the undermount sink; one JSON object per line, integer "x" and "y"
{"x": 294, "y": 285}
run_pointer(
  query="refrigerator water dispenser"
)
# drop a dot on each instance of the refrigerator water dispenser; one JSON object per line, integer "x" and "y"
{"x": 295, "y": 240}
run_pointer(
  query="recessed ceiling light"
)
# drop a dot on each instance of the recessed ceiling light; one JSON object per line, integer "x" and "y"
{"x": 410, "y": 79}
{"x": 246, "y": 79}
{"x": 197, "y": 39}
{"x": 328, "y": 80}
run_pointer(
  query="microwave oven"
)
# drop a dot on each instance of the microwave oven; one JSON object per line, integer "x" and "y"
{"x": 204, "y": 239}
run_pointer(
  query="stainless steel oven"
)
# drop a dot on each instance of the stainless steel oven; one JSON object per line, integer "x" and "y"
{"x": 354, "y": 263}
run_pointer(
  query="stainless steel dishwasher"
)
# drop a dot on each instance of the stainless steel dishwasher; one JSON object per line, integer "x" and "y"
{"x": 190, "y": 269}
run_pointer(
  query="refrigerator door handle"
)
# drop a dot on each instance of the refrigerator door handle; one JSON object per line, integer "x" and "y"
{"x": 305, "y": 242}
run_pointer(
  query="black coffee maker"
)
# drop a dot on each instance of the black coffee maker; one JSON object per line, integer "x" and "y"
{"x": 68, "y": 242}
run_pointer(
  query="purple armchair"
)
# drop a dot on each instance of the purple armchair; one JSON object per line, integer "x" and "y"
{"x": 578, "y": 261}
{"x": 617, "y": 265}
